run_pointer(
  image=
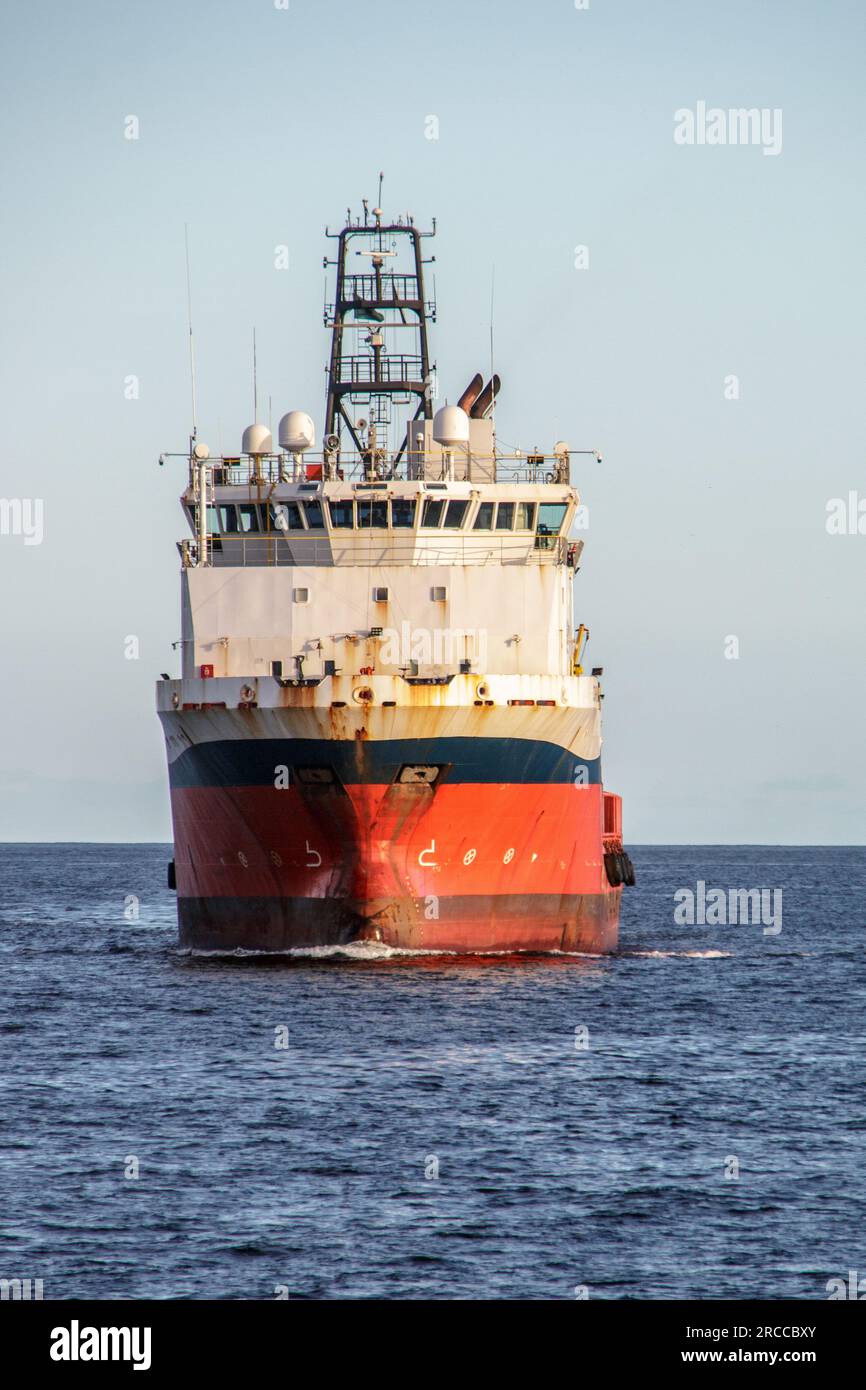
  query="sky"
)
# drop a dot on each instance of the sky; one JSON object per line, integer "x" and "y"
{"x": 709, "y": 342}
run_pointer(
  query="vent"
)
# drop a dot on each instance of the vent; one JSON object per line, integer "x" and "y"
{"x": 380, "y": 595}
{"x": 300, "y": 596}
{"x": 439, "y": 593}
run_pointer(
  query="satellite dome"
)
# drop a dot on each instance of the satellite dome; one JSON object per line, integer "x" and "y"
{"x": 451, "y": 426}
{"x": 297, "y": 432}
{"x": 257, "y": 440}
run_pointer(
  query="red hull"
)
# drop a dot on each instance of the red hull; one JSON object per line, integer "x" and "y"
{"x": 469, "y": 867}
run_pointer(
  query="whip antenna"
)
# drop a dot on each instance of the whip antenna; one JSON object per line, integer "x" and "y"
{"x": 189, "y": 321}
{"x": 492, "y": 378}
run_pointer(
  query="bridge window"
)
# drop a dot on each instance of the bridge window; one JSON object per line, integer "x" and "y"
{"x": 505, "y": 516}
{"x": 550, "y": 517}
{"x": 525, "y": 516}
{"x": 315, "y": 519}
{"x": 342, "y": 514}
{"x": 433, "y": 509}
{"x": 228, "y": 520}
{"x": 484, "y": 517}
{"x": 212, "y": 527}
{"x": 456, "y": 513}
{"x": 290, "y": 513}
{"x": 403, "y": 511}
{"x": 373, "y": 513}
{"x": 248, "y": 517}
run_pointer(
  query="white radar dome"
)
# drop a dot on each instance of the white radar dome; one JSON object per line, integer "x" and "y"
{"x": 257, "y": 440}
{"x": 297, "y": 432}
{"x": 451, "y": 426}
{"x": 560, "y": 447}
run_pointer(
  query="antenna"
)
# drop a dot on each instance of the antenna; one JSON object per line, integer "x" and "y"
{"x": 189, "y": 321}
{"x": 255, "y": 383}
{"x": 493, "y": 402}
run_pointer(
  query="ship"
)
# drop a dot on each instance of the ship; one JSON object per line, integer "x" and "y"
{"x": 383, "y": 731}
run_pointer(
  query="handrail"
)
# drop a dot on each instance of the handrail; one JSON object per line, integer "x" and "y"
{"x": 299, "y": 548}
{"x": 242, "y": 470}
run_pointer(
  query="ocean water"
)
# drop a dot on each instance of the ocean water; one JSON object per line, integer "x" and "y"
{"x": 684, "y": 1119}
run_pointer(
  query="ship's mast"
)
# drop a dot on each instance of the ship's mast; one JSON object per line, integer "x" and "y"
{"x": 384, "y": 300}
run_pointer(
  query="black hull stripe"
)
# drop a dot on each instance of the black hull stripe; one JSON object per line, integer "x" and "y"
{"x": 484, "y": 922}
{"x": 252, "y": 762}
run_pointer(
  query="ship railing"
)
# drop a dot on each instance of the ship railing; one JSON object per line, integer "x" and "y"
{"x": 392, "y": 288}
{"x": 269, "y": 469}
{"x": 386, "y": 302}
{"x": 392, "y": 369}
{"x": 300, "y": 549}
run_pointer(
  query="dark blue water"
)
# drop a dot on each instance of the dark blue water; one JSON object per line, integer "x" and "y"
{"x": 310, "y": 1167}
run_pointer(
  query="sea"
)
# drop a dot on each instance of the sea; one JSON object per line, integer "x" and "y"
{"x": 683, "y": 1119}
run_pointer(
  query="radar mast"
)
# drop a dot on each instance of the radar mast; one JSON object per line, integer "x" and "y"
{"x": 379, "y": 359}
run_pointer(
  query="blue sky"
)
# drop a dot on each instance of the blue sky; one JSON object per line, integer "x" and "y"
{"x": 258, "y": 126}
